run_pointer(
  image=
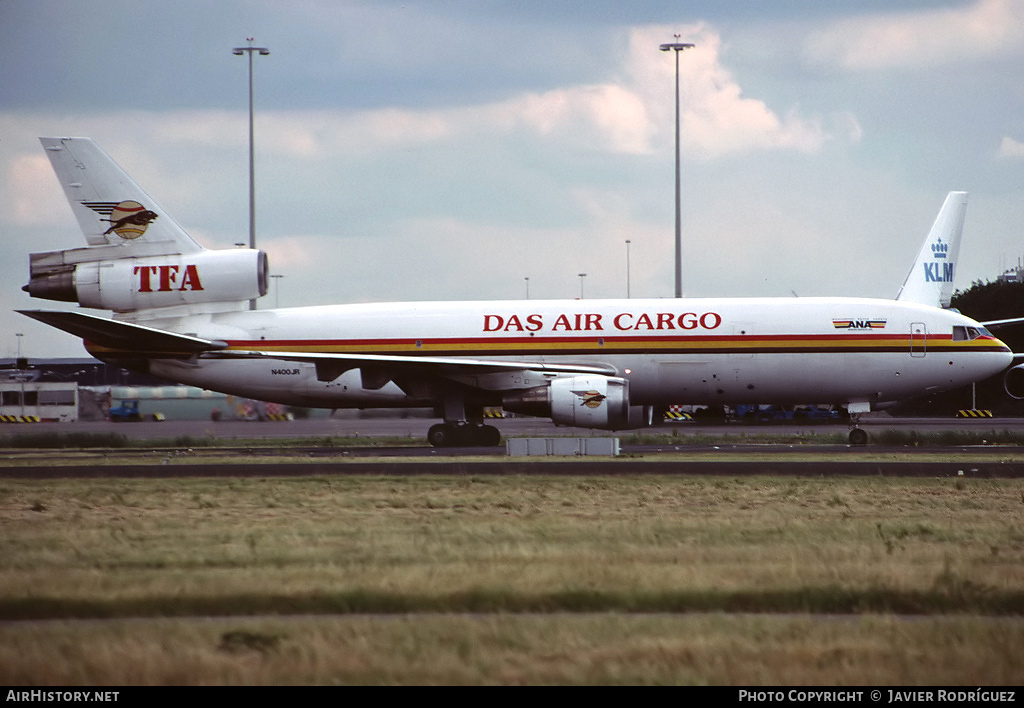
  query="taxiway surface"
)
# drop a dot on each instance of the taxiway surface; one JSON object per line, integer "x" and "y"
{"x": 414, "y": 428}
{"x": 394, "y": 447}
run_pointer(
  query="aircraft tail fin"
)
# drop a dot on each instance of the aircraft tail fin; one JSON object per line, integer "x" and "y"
{"x": 138, "y": 257}
{"x": 111, "y": 209}
{"x": 930, "y": 281}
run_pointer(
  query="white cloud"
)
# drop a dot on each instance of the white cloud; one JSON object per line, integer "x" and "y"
{"x": 298, "y": 251}
{"x": 633, "y": 114}
{"x": 1010, "y": 148}
{"x": 717, "y": 119}
{"x": 984, "y": 29}
{"x": 630, "y": 114}
{"x": 611, "y": 117}
{"x": 31, "y": 192}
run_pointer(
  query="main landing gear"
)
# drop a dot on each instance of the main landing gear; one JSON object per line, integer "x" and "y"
{"x": 463, "y": 435}
{"x": 463, "y": 424}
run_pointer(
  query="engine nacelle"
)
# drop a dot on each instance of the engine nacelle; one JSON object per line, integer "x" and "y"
{"x": 600, "y": 402}
{"x": 1013, "y": 382}
{"x": 126, "y": 284}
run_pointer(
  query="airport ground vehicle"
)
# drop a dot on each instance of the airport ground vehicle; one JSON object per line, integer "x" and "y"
{"x": 128, "y": 411}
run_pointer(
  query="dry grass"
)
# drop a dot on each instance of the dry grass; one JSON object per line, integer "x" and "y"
{"x": 601, "y": 648}
{"x": 637, "y": 549}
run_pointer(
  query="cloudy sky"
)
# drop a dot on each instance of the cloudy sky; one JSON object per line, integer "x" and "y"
{"x": 453, "y": 149}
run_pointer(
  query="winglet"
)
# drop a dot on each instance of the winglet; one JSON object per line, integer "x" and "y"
{"x": 930, "y": 281}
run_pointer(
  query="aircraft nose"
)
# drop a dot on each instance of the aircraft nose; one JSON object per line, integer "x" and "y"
{"x": 1007, "y": 355}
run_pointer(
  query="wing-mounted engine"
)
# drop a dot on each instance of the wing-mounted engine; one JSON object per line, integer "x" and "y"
{"x": 1013, "y": 382}
{"x": 104, "y": 279}
{"x": 600, "y": 402}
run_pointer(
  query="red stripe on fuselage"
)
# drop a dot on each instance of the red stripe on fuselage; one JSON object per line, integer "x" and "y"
{"x": 780, "y": 343}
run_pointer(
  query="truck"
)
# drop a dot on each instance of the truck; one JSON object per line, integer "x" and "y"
{"x": 128, "y": 411}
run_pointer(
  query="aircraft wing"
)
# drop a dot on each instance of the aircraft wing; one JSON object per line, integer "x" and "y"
{"x": 123, "y": 335}
{"x": 992, "y": 324}
{"x": 128, "y": 336}
{"x": 330, "y": 366}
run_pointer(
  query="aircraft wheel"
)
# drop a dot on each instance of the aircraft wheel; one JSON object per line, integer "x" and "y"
{"x": 442, "y": 435}
{"x": 858, "y": 436}
{"x": 488, "y": 435}
{"x": 453, "y": 435}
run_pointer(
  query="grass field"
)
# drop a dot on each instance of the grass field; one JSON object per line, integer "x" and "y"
{"x": 514, "y": 579}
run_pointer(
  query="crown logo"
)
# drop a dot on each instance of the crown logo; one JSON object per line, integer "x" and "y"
{"x": 939, "y": 249}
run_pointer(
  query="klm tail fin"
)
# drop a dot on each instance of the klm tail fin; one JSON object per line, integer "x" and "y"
{"x": 930, "y": 281}
{"x": 111, "y": 209}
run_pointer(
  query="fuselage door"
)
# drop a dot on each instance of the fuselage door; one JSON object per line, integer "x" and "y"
{"x": 918, "y": 339}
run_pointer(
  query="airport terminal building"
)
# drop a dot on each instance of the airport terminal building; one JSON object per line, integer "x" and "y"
{"x": 68, "y": 390}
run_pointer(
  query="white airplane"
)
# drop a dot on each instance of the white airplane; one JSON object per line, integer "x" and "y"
{"x": 181, "y": 313}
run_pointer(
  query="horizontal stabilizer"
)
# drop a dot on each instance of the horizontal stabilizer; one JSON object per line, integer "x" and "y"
{"x": 122, "y": 335}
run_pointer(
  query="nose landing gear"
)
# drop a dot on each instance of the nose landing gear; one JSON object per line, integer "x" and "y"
{"x": 858, "y": 436}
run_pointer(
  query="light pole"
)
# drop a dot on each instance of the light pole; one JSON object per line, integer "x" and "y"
{"x": 677, "y": 47}
{"x": 527, "y": 279}
{"x": 263, "y": 51}
{"x": 627, "y": 267}
{"x": 582, "y": 276}
{"x": 21, "y": 379}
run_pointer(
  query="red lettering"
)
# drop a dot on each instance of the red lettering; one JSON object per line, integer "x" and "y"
{"x": 492, "y": 323}
{"x": 144, "y": 272}
{"x": 663, "y": 320}
{"x": 513, "y": 321}
{"x": 593, "y": 320}
{"x": 535, "y": 322}
{"x": 688, "y": 320}
{"x": 168, "y": 275}
{"x": 562, "y": 322}
{"x": 190, "y": 280}
{"x": 710, "y": 320}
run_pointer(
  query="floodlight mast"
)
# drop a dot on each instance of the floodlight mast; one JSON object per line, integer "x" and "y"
{"x": 263, "y": 51}
{"x": 677, "y": 47}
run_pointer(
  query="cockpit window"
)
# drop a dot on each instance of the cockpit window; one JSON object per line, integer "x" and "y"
{"x": 964, "y": 334}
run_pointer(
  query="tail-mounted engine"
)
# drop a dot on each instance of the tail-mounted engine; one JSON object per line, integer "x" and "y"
{"x": 600, "y": 402}
{"x": 94, "y": 277}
